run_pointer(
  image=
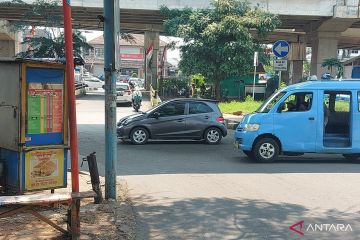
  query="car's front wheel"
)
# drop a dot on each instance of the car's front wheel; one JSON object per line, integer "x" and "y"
{"x": 266, "y": 150}
{"x": 213, "y": 135}
{"x": 139, "y": 136}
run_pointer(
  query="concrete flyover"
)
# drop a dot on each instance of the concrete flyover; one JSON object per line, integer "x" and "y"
{"x": 325, "y": 25}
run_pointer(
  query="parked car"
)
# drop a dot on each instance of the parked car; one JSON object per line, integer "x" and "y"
{"x": 175, "y": 119}
{"x": 123, "y": 93}
{"x": 309, "y": 117}
{"x": 93, "y": 82}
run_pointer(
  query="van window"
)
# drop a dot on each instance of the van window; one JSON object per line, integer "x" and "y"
{"x": 298, "y": 102}
{"x": 270, "y": 102}
{"x": 342, "y": 103}
{"x": 337, "y": 101}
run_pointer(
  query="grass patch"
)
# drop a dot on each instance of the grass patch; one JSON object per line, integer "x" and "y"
{"x": 236, "y": 106}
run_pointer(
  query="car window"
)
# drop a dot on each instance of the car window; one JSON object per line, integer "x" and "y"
{"x": 172, "y": 109}
{"x": 359, "y": 101}
{"x": 198, "y": 107}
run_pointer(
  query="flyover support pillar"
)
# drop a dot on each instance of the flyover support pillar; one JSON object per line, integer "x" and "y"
{"x": 296, "y": 68}
{"x": 297, "y": 55}
{"x": 151, "y": 47}
{"x": 9, "y": 44}
{"x": 324, "y": 46}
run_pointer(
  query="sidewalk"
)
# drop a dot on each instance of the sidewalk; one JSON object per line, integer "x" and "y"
{"x": 108, "y": 220}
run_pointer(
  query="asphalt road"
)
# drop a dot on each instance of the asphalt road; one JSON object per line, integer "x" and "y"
{"x": 189, "y": 190}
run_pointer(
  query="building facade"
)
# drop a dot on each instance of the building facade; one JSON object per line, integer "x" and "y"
{"x": 132, "y": 55}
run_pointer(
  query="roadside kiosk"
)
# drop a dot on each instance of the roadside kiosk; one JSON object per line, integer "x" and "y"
{"x": 33, "y": 125}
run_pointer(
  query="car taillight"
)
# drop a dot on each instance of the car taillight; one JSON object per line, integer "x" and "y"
{"x": 220, "y": 119}
{"x": 128, "y": 91}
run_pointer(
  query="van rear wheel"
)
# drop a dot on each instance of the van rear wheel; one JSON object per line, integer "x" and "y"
{"x": 266, "y": 150}
{"x": 353, "y": 156}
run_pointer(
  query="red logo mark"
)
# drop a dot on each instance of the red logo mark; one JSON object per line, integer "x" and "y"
{"x": 298, "y": 231}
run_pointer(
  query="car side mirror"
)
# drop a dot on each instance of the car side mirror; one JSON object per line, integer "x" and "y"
{"x": 281, "y": 107}
{"x": 156, "y": 115}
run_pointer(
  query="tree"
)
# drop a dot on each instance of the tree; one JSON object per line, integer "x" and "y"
{"x": 47, "y": 47}
{"x": 330, "y": 63}
{"x": 219, "y": 42}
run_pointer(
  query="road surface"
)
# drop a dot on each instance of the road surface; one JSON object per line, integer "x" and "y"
{"x": 189, "y": 190}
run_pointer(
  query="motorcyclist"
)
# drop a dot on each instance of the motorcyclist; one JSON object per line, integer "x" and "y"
{"x": 136, "y": 96}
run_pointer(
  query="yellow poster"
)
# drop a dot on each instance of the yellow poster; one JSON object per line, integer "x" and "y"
{"x": 44, "y": 169}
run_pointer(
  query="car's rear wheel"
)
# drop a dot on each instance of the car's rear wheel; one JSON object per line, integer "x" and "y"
{"x": 266, "y": 150}
{"x": 213, "y": 135}
{"x": 352, "y": 157}
{"x": 139, "y": 136}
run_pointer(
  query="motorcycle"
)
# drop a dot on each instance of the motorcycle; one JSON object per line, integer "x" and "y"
{"x": 136, "y": 103}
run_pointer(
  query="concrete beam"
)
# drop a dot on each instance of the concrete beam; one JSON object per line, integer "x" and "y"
{"x": 141, "y": 27}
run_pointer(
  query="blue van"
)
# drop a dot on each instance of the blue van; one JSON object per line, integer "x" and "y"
{"x": 309, "y": 117}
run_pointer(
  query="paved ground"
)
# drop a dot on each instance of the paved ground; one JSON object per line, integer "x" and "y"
{"x": 188, "y": 190}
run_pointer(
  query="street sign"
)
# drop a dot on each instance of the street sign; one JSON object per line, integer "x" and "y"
{"x": 280, "y": 65}
{"x": 281, "y": 48}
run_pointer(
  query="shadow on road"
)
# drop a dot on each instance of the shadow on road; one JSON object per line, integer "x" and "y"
{"x": 224, "y": 218}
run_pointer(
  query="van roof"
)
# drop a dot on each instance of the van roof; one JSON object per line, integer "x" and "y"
{"x": 328, "y": 85}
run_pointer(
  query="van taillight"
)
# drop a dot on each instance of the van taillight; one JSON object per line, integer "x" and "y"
{"x": 220, "y": 119}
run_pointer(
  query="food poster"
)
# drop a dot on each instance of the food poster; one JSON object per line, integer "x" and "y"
{"x": 44, "y": 108}
{"x": 44, "y": 169}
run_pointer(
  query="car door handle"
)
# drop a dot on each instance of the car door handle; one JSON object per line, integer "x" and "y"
{"x": 311, "y": 118}
{"x": 180, "y": 120}
{"x": 207, "y": 117}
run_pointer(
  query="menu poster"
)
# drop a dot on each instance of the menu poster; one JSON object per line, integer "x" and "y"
{"x": 44, "y": 169}
{"x": 44, "y": 108}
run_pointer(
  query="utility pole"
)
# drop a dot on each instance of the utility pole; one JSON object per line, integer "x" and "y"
{"x": 75, "y": 206}
{"x": 111, "y": 13}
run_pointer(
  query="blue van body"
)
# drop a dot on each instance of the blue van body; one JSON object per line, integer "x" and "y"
{"x": 308, "y": 117}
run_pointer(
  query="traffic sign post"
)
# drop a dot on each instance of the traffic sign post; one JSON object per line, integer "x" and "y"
{"x": 280, "y": 65}
{"x": 281, "y": 48}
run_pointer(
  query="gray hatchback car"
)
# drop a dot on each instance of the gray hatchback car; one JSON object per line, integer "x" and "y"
{"x": 184, "y": 118}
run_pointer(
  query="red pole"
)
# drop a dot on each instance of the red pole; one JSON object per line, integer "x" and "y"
{"x": 75, "y": 221}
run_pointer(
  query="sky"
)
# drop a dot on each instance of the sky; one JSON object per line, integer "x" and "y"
{"x": 172, "y": 54}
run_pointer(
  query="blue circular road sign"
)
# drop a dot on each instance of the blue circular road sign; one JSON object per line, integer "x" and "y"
{"x": 280, "y": 48}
